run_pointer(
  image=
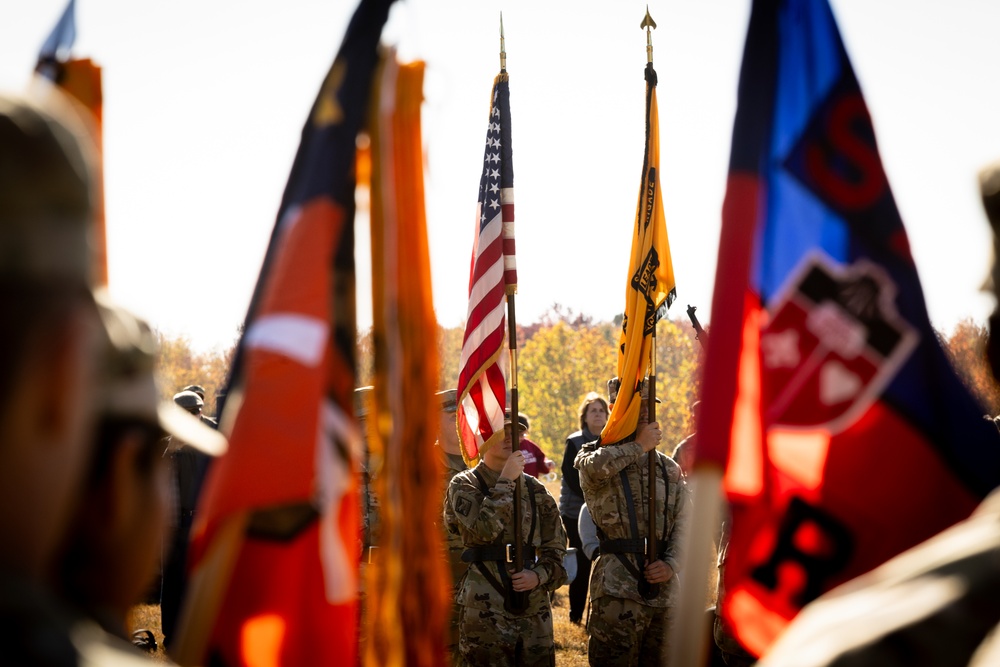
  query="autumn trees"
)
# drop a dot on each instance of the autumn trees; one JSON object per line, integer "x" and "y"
{"x": 966, "y": 348}
{"x": 566, "y": 355}
{"x": 562, "y": 357}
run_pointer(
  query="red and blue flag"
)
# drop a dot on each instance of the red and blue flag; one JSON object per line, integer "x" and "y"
{"x": 844, "y": 433}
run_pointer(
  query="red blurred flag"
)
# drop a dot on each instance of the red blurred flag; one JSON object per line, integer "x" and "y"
{"x": 274, "y": 555}
{"x": 845, "y": 436}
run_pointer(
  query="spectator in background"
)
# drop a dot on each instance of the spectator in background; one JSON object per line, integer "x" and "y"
{"x": 198, "y": 389}
{"x": 684, "y": 453}
{"x": 593, "y": 416}
{"x": 190, "y": 466}
{"x": 536, "y": 463}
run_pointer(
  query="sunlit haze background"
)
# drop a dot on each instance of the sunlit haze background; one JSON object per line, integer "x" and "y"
{"x": 205, "y": 101}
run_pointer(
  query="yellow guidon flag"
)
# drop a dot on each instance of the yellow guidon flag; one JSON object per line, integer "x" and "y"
{"x": 650, "y": 288}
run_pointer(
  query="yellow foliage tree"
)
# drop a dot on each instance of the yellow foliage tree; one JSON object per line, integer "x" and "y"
{"x": 678, "y": 358}
{"x": 558, "y": 367}
{"x": 967, "y": 350}
{"x": 565, "y": 356}
{"x": 563, "y": 361}
{"x": 449, "y": 354}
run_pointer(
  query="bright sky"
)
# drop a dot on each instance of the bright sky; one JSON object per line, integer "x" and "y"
{"x": 204, "y": 103}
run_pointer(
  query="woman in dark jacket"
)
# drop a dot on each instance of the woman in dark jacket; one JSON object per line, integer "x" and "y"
{"x": 593, "y": 417}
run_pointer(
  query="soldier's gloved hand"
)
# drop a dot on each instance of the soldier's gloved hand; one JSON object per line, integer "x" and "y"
{"x": 514, "y": 466}
{"x": 525, "y": 580}
{"x": 658, "y": 572}
{"x": 649, "y": 436}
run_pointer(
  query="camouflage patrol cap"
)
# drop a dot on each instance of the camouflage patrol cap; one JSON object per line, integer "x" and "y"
{"x": 449, "y": 400}
{"x": 196, "y": 388}
{"x": 361, "y": 398}
{"x": 46, "y": 191}
{"x": 129, "y": 387}
{"x": 188, "y": 400}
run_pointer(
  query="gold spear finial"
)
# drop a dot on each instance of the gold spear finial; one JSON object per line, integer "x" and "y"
{"x": 648, "y": 23}
{"x": 503, "y": 51}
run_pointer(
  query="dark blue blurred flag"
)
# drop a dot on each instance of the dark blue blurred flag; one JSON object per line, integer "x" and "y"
{"x": 845, "y": 435}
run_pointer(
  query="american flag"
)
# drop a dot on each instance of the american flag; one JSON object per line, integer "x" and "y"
{"x": 483, "y": 368}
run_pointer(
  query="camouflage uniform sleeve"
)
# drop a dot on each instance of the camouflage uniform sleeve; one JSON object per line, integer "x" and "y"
{"x": 552, "y": 548}
{"x": 483, "y": 519}
{"x": 597, "y": 465}
{"x": 681, "y": 519}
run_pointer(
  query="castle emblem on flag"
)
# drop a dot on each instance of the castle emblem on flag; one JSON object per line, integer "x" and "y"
{"x": 834, "y": 341}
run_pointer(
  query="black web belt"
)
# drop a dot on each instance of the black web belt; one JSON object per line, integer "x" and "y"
{"x": 623, "y": 546}
{"x": 501, "y": 552}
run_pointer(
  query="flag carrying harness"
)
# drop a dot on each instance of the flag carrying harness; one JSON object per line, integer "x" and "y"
{"x": 500, "y": 552}
{"x": 636, "y": 545}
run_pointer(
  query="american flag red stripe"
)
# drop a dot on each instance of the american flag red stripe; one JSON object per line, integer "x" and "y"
{"x": 482, "y": 378}
{"x": 509, "y": 262}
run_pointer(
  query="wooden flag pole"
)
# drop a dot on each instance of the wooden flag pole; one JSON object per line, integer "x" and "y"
{"x": 515, "y": 427}
{"x": 517, "y": 601}
{"x": 651, "y": 547}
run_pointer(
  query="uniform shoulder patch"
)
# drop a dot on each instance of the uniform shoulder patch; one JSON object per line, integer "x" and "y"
{"x": 463, "y": 505}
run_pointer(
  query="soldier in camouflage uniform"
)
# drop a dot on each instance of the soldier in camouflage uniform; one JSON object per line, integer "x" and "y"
{"x": 451, "y": 454}
{"x": 625, "y": 627}
{"x": 479, "y": 508}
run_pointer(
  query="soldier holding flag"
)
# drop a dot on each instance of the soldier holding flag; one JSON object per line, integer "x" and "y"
{"x": 479, "y": 508}
{"x": 637, "y": 497}
{"x": 630, "y": 596}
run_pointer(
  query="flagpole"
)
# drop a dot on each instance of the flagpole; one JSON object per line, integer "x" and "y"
{"x": 651, "y": 546}
{"x": 518, "y": 601}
